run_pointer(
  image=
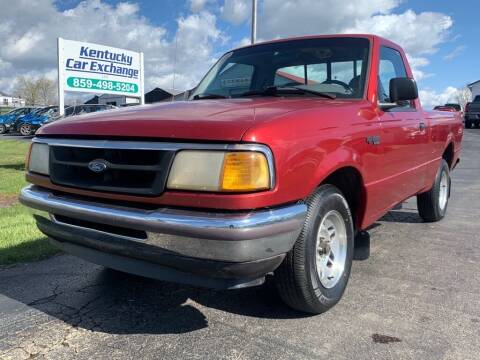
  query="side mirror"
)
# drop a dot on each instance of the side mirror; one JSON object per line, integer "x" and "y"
{"x": 403, "y": 89}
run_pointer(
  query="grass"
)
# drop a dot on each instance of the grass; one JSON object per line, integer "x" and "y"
{"x": 20, "y": 240}
{"x": 12, "y": 166}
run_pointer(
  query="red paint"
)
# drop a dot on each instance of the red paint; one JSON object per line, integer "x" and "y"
{"x": 310, "y": 139}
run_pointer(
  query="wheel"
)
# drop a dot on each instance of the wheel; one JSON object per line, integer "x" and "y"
{"x": 315, "y": 273}
{"x": 3, "y": 129}
{"x": 468, "y": 124}
{"x": 26, "y": 129}
{"x": 432, "y": 205}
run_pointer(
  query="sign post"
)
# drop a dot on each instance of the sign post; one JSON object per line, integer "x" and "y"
{"x": 61, "y": 93}
{"x": 142, "y": 80}
{"x": 254, "y": 22}
{"x": 87, "y": 67}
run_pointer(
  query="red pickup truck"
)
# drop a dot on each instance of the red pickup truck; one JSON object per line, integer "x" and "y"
{"x": 283, "y": 154}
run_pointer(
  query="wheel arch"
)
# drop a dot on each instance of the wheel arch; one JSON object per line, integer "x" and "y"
{"x": 349, "y": 180}
{"x": 448, "y": 154}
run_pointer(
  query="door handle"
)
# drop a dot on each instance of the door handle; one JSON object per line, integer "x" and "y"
{"x": 422, "y": 126}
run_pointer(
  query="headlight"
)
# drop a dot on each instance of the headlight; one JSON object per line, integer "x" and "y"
{"x": 38, "y": 161}
{"x": 235, "y": 171}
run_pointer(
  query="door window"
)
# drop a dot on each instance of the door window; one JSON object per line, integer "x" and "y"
{"x": 391, "y": 66}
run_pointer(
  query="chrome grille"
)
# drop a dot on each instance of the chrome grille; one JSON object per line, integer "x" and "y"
{"x": 129, "y": 171}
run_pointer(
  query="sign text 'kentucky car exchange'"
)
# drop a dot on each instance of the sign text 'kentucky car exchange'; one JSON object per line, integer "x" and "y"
{"x": 96, "y": 68}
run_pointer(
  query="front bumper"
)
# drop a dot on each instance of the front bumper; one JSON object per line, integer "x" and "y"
{"x": 224, "y": 250}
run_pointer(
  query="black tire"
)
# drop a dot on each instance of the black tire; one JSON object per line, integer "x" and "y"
{"x": 297, "y": 279}
{"x": 3, "y": 129}
{"x": 468, "y": 124}
{"x": 26, "y": 129}
{"x": 429, "y": 204}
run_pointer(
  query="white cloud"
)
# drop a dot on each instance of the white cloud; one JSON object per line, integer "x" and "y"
{"x": 199, "y": 5}
{"x": 243, "y": 42}
{"x": 236, "y": 11}
{"x": 419, "y": 34}
{"x": 430, "y": 98}
{"x": 30, "y": 45}
{"x": 417, "y": 64}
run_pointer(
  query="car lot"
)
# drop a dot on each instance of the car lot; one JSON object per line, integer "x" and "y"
{"x": 417, "y": 297}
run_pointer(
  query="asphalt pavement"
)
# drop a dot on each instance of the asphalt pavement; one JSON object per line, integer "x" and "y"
{"x": 417, "y": 297}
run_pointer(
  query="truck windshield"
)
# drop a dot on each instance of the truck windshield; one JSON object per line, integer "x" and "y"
{"x": 335, "y": 66}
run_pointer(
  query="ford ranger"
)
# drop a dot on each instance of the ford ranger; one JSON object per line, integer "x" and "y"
{"x": 282, "y": 156}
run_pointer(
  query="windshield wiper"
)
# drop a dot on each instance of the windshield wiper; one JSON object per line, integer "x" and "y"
{"x": 276, "y": 90}
{"x": 208, "y": 96}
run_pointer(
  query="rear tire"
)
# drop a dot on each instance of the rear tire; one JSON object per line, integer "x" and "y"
{"x": 468, "y": 124}
{"x": 315, "y": 273}
{"x": 432, "y": 205}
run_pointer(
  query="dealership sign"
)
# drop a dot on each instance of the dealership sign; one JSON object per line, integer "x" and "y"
{"x": 87, "y": 67}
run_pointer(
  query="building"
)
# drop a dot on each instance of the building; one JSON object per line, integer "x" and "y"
{"x": 474, "y": 88}
{"x": 112, "y": 99}
{"x": 10, "y": 101}
{"x": 156, "y": 95}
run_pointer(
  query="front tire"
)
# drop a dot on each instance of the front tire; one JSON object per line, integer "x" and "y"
{"x": 315, "y": 273}
{"x": 3, "y": 129}
{"x": 432, "y": 205}
{"x": 26, "y": 129}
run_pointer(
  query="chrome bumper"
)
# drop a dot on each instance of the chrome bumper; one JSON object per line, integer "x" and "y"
{"x": 227, "y": 237}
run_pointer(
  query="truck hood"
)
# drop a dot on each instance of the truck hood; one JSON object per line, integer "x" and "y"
{"x": 214, "y": 120}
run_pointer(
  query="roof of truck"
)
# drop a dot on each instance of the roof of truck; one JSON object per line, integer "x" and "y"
{"x": 366, "y": 36}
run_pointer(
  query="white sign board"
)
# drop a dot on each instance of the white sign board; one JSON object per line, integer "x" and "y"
{"x": 87, "y": 67}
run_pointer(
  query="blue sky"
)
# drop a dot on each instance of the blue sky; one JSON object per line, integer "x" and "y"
{"x": 463, "y": 41}
{"x": 443, "y": 71}
{"x": 440, "y": 37}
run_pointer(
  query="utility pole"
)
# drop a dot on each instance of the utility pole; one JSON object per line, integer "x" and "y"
{"x": 254, "y": 22}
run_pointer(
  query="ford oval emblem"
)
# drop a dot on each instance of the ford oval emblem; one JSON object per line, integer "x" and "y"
{"x": 97, "y": 166}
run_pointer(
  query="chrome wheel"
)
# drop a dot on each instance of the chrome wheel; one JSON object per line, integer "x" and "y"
{"x": 331, "y": 250}
{"x": 443, "y": 191}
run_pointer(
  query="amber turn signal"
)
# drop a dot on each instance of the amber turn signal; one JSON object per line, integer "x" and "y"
{"x": 245, "y": 171}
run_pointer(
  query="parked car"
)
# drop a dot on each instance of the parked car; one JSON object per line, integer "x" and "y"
{"x": 83, "y": 109}
{"x": 7, "y": 120}
{"x": 452, "y": 108}
{"x": 285, "y": 154}
{"x": 472, "y": 113}
{"x": 457, "y": 107}
{"x": 28, "y": 124}
{"x": 444, "y": 108}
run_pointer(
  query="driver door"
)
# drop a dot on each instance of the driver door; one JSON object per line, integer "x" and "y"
{"x": 404, "y": 138}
